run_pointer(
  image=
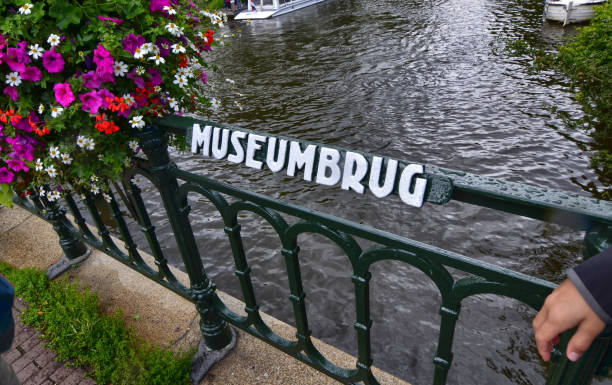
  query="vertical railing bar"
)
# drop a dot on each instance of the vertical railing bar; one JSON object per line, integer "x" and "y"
{"x": 297, "y": 295}
{"x": 449, "y": 313}
{"x": 146, "y": 226}
{"x": 102, "y": 229}
{"x": 364, "y": 322}
{"x": 243, "y": 270}
{"x": 78, "y": 217}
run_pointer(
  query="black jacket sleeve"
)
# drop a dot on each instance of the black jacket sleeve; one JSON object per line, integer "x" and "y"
{"x": 593, "y": 279}
{"x": 7, "y": 325}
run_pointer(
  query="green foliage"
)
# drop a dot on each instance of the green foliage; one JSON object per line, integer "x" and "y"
{"x": 72, "y": 325}
{"x": 587, "y": 61}
{"x": 215, "y": 4}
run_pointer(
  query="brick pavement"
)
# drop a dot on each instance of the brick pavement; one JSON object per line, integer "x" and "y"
{"x": 35, "y": 364}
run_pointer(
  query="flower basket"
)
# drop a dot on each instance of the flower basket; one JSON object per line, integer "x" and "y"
{"x": 79, "y": 77}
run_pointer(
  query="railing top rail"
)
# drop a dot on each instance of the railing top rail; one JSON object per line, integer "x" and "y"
{"x": 559, "y": 207}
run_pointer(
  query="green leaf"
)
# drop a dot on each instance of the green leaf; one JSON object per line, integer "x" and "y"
{"x": 6, "y": 195}
{"x": 133, "y": 9}
{"x": 65, "y": 14}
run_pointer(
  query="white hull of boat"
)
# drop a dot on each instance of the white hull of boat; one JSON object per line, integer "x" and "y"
{"x": 570, "y": 11}
{"x": 267, "y": 11}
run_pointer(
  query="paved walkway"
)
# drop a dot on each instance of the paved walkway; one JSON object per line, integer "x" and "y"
{"x": 35, "y": 364}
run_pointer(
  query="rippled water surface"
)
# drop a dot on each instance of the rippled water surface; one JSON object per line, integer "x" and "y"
{"x": 426, "y": 81}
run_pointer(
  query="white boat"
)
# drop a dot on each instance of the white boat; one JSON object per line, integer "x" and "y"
{"x": 263, "y": 9}
{"x": 570, "y": 11}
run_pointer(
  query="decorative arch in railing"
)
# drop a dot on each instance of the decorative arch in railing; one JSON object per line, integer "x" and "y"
{"x": 175, "y": 186}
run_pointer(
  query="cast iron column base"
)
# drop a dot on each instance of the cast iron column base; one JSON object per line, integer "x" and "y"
{"x": 205, "y": 358}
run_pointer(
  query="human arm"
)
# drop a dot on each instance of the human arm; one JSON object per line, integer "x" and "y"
{"x": 584, "y": 300}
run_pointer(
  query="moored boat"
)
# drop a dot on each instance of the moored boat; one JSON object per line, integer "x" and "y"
{"x": 570, "y": 11}
{"x": 263, "y": 9}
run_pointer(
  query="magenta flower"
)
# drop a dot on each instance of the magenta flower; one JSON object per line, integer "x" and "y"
{"x": 106, "y": 18}
{"x": 63, "y": 94}
{"x": 16, "y": 59}
{"x": 103, "y": 93}
{"x": 32, "y": 74}
{"x": 2, "y": 41}
{"x": 155, "y": 76}
{"x": 91, "y": 80}
{"x": 53, "y": 61}
{"x": 6, "y": 176}
{"x": 91, "y": 101}
{"x": 164, "y": 46}
{"x": 203, "y": 77}
{"x": 131, "y": 42}
{"x": 101, "y": 54}
{"x": 23, "y": 147}
{"x": 138, "y": 80}
{"x": 12, "y": 93}
{"x": 158, "y": 5}
{"x": 18, "y": 165}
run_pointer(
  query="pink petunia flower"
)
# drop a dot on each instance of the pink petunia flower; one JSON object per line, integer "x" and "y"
{"x": 17, "y": 58}
{"x": 91, "y": 80}
{"x": 6, "y": 176}
{"x": 53, "y": 61}
{"x": 154, "y": 76}
{"x": 131, "y": 42}
{"x": 158, "y": 5}
{"x": 63, "y": 94}
{"x": 11, "y": 92}
{"x": 138, "y": 80}
{"x": 17, "y": 165}
{"x": 31, "y": 74}
{"x": 106, "y": 18}
{"x": 2, "y": 41}
{"x": 92, "y": 101}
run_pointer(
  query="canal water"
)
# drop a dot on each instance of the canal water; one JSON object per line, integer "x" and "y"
{"x": 426, "y": 81}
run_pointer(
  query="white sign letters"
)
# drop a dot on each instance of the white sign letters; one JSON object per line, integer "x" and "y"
{"x": 328, "y": 166}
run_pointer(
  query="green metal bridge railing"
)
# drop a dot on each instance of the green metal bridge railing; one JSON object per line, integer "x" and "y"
{"x": 174, "y": 185}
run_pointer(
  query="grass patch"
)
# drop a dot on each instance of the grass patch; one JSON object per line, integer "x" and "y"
{"x": 214, "y": 4}
{"x": 70, "y": 321}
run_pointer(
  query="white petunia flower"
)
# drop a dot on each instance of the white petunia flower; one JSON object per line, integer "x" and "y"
{"x": 66, "y": 159}
{"x": 177, "y": 48}
{"x": 94, "y": 189}
{"x": 94, "y": 178}
{"x": 140, "y": 70}
{"x": 56, "y": 111}
{"x": 41, "y": 109}
{"x": 157, "y": 59}
{"x": 146, "y": 48}
{"x": 56, "y": 195}
{"x": 157, "y": 89}
{"x": 13, "y": 79}
{"x": 137, "y": 122}
{"x": 174, "y": 29}
{"x": 26, "y": 9}
{"x": 181, "y": 81}
{"x": 89, "y": 144}
{"x": 215, "y": 103}
{"x": 169, "y": 10}
{"x": 173, "y": 103}
{"x": 54, "y": 152}
{"x": 35, "y": 51}
{"x": 120, "y": 68}
{"x": 155, "y": 50}
{"x": 53, "y": 40}
{"x": 107, "y": 197}
{"x": 81, "y": 141}
{"x": 128, "y": 99}
{"x": 39, "y": 165}
{"x": 139, "y": 53}
{"x": 41, "y": 190}
{"x": 51, "y": 171}
{"x": 133, "y": 145}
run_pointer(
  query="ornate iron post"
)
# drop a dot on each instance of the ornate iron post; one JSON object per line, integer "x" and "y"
{"x": 217, "y": 333}
{"x": 599, "y": 357}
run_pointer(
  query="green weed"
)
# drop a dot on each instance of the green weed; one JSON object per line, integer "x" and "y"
{"x": 70, "y": 321}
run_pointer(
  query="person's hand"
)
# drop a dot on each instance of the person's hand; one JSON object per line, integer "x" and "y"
{"x": 564, "y": 309}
